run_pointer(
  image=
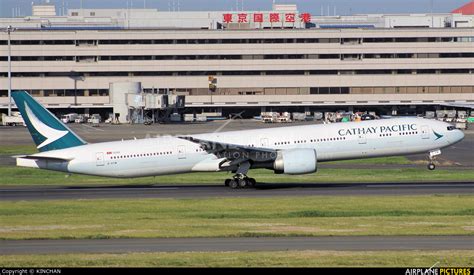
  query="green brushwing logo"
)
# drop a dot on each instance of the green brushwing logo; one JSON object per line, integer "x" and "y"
{"x": 438, "y": 136}
{"x": 47, "y": 131}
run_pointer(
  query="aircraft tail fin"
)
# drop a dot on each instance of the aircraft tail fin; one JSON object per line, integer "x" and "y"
{"x": 47, "y": 131}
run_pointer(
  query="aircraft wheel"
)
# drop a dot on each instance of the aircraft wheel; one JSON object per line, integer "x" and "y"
{"x": 252, "y": 182}
{"x": 243, "y": 183}
{"x": 233, "y": 184}
{"x": 431, "y": 166}
{"x": 227, "y": 182}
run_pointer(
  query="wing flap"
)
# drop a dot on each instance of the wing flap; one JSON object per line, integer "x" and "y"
{"x": 234, "y": 152}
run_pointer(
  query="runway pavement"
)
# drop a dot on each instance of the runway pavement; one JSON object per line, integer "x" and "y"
{"x": 342, "y": 243}
{"x": 211, "y": 191}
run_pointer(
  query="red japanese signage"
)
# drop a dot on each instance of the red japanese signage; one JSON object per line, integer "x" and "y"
{"x": 290, "y": 17}
{"x": 272, "y": 17}
{"x": 242, "y": 17}
{"x": 227, "y": 17}
{"x": 305, "y": 17}
{"x": 258, "y": 17}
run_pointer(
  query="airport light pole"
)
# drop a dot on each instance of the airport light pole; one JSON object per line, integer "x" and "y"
{"x": 9, "y": 30}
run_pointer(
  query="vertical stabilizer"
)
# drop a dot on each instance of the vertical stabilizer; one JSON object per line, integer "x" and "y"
{"x": 48, "y": 132}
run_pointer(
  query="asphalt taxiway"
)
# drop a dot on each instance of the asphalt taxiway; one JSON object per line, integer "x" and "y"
{"x": 210, "y": 191}
{"x": 336, "y": 243}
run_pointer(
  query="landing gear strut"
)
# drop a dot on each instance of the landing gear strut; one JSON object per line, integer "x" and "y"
{"x": 432, "y": 156}
{"x": 240, "y": 179}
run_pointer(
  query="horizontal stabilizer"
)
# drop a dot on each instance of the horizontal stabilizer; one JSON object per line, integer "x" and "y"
{"x": 34, "y": 157}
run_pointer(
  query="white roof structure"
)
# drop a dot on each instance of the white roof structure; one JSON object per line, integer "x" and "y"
{"x": 44, "y": 16}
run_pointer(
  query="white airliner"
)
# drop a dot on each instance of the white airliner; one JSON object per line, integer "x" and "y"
{"x": 289, "y": 150}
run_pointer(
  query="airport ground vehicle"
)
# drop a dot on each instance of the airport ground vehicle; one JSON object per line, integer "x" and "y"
{"x": 13, "y": 120}
{"x": 68, "y": 118}
{"x": 94, "y": 119}
{"x": 80, "y": 119}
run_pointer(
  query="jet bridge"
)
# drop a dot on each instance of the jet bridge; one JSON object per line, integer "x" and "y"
{"x": 132, "y": 105}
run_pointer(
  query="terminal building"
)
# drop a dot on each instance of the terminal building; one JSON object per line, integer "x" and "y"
{"x": 277, "y": 60}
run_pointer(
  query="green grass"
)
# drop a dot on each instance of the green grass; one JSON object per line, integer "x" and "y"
{"x": 238, "y": 217}
{"x": 405, "y": 259}
{"x": 11, "y": 175}
{"x": 18, "y": 149}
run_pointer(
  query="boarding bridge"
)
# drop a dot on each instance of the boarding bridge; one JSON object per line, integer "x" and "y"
{"x": 132, "y": 105}
{"x": 146, "y": 107}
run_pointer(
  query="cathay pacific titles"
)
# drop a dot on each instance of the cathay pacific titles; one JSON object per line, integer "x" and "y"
{"x": 380, "y": 129}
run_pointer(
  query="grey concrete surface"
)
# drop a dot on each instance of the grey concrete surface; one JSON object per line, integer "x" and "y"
{"x": 15, "y": 193}
{"x": 343, "y": 243}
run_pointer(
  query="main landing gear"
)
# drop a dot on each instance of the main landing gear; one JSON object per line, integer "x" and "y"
{"x": 432, "y": 156}
{"x": 240, "y": 179}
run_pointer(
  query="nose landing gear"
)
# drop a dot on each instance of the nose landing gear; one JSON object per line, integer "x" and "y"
{"x": 432, "y": 156}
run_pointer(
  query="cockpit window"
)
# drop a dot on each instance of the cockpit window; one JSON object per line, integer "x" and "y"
{"x": 450, "y": 128}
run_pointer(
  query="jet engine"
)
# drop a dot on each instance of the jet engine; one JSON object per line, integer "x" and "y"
{"x": 296, "y": 161}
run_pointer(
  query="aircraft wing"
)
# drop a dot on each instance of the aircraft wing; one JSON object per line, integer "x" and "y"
{"x": 233, "y": 152}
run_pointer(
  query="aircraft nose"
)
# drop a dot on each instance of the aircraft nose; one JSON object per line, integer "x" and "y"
{"x": 458, "y": 135}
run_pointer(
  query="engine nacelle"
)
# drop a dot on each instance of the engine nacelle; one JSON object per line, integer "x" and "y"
{"x": 296, "y": 161}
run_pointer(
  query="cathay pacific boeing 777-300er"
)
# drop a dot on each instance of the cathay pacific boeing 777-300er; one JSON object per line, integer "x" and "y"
{"x": 289, "y": 150}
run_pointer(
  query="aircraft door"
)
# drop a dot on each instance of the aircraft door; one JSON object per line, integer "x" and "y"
{"x": 425, "y": 132}
{"x": 181, "y": 152}
{"x": 264, "y": 142}
{"x": 99, "y": 159}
